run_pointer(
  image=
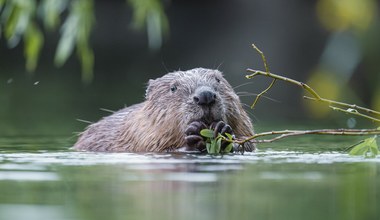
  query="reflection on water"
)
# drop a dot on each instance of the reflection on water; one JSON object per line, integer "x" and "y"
{"x": 31, "y": 212}
{"x": 48, "y": 181}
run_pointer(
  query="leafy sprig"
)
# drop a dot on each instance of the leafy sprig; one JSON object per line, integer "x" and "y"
{"x": 214, "y": 144}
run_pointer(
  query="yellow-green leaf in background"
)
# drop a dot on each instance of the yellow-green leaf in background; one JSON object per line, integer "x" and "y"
{"x": 11, "y": 14}
{"x": 17, "y": 15}
{"x": 150, "y": 14}
{"x": 75, "y": 33}
{"x": 86, "y": 56}
{"x": 51, "y": 10}
{"x": 1, "y": 4}
{"x": 33, "y": 39}
{"x": 67, "y": 41}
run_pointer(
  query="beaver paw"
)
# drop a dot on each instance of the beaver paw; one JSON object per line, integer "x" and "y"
{"x": 193, "y": 138}
{"x": 222, "y": 128}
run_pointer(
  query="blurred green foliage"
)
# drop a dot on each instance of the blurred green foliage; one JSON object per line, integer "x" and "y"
{"x": 337, "y": 15}
{"x": 20, "y": 19}
{"x": 17, "y": 20}
{"x": 75, "y": 32}
{"x": 150, "y": 13}
{"x": 350, "y": 24}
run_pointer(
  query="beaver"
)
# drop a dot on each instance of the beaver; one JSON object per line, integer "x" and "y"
{"x": 177, "y": 106}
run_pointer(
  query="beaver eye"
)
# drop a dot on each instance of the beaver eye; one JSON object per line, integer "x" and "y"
{"x": 173, "y": 88}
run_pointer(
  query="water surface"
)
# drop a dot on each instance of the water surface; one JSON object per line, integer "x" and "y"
{"x": 306, "y": 178}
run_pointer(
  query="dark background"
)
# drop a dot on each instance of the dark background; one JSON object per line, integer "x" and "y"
{"x": 207, "y": 33}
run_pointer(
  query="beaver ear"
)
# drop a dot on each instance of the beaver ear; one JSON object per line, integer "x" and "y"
{"x": 149, "y": 88}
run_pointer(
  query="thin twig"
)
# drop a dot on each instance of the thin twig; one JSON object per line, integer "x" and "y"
{"x": 285, "y": 79}
{"x": 262, "y": 93}
{"x": 266, "y": 66}
{"x": 352, "y": 106}
{"x": 354, "y": 112}
{"x": 262, "y": 57}
{"x": 315, "y": 95}
{"x": 290, "y": 133}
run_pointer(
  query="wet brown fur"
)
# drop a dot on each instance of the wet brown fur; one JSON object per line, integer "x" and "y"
{"x": 158, "y": 124}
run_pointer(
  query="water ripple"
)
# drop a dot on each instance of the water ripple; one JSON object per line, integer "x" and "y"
{"x": 144, "y": 161}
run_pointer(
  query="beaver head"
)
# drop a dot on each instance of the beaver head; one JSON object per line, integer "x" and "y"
{"x": 194, "y": 95}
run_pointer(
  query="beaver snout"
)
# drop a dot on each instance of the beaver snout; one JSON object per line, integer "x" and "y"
{"x": 205, "y": 98}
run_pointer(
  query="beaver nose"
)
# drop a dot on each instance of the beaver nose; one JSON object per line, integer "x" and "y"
{"x": 205, "y": 98}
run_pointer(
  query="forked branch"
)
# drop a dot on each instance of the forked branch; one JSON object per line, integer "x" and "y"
{"x": 335, "y": 105}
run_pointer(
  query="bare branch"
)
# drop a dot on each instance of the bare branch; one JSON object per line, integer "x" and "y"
{"x": 352, "y": 106}
{"x": 289, "y": 133}
{"x": 262, "y": 57}
{"x": 262, "y": 93}
{"x": 266, "y": 66}
{"x": 285, "y": 79}
{"x": 337, "y": 106}
{"x": 315, "y": 95}
{"x": 354, "y": 112}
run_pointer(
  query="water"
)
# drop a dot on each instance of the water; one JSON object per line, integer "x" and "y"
{"x": 303, "y": 178}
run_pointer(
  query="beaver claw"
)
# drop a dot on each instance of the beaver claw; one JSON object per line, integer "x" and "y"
{"x": 193, "y": 138}
{"x": 195, "y": 141}
{"x": 222, "y": 128}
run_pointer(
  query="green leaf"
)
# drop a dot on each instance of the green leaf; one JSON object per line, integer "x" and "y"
{"x": 368, "y": 148}
{"x": 373, "y": 146}
{"x": 75, "y": 33}
{"x": 228, "y": 149}
{"x": 17, "y": 16}
{"x": 13, "y": 14}
{"x": 51, "y": 10}
{"x": 64, "y": 50}
{"x": 212, "y": 147}
{"x": 67, "y": 41}
{"x": 374, "y": 150}
{"x": 86, "y": 57}
{"x": 33, "y": 43}
{"x": 229, "y": 136}
{"x": 1, "y": 4}
{"x": 150, "y": 14}
{"x": 208, "y": 147}
{"x": 218, "y": 145}
{"x": 208, "y": 133}
{"x": 359, "y": 149}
